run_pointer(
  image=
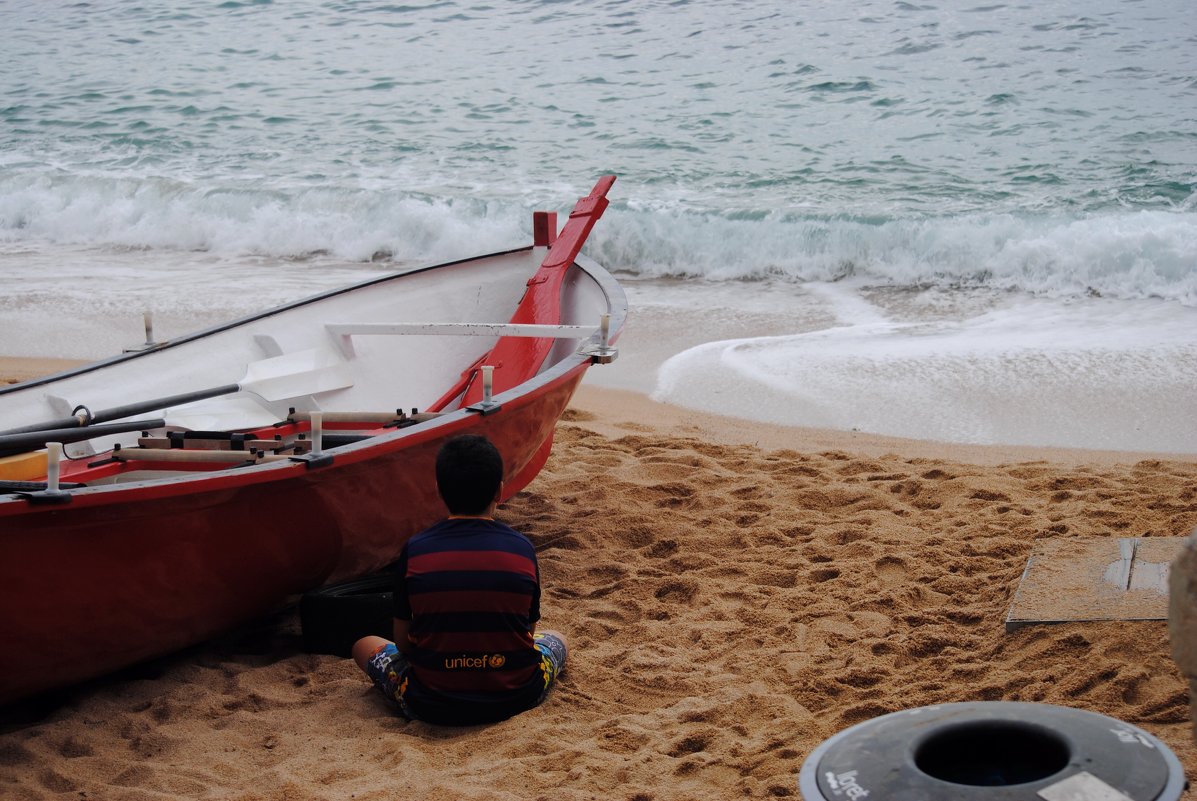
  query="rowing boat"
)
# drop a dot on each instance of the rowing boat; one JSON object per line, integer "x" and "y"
{"x": 155, "y": 499}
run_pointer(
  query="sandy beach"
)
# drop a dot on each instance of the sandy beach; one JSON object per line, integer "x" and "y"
{"x": 735, "y": 593}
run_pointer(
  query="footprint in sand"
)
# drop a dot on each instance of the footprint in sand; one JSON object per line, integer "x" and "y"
{"x": 749, "y": 493}
{"x": 825, "y": 574}
{"x": 910, "y": 487}
{"x": 674, "y": 495}
{"x": 674, "y": 591}
{"x": 775, "y": 578}
{"x": 12, "y": 754}
{"x": 891, "y": 569}
{"x": 862, "y": 712}
{"x": 634, "y": 535}
{"x": 692, "y": 743}
{"x": 607, "y": 613}
{"x": 663, "y": 549}
{"x": 55, "y": 782}
{"x": 72, "y": 748}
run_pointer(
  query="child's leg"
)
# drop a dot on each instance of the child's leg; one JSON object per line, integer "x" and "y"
{"x": 386, "y": 667}
{"x": 365, "y": 648}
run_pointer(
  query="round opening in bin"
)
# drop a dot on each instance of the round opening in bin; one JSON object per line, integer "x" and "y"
{"x": 992, "y": 754}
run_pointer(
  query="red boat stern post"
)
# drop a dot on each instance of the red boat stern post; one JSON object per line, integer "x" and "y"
{"x": 544, "y": 228}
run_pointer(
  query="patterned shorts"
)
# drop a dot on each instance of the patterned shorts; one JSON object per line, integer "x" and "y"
{"x": 391, "y": 672}
{"x": 552, "y": 659}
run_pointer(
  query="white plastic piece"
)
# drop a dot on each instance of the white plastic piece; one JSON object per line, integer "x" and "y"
{"x": 488, "y": 377}
{"x": 53, "y": 466}
{"x": 317, "y": 433}
{"x": 1083, "y": 786}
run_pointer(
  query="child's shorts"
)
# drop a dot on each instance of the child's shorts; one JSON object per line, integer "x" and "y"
{"x": 391, "y": 672}
{"x": 552, "y": 659}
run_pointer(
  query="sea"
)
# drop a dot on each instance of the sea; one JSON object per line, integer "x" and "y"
{"x": 969, "y": 221}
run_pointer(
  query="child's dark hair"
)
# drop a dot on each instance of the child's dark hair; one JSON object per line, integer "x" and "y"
{"x": 469, "y": 470}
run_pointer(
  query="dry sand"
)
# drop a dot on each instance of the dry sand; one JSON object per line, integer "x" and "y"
{"x": 734, "y": 595}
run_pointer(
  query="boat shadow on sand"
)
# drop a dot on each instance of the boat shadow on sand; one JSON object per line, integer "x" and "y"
{"x": 263, "y": 641}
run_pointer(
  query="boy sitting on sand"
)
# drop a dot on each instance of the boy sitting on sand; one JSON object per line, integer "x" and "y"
{"x": 467, "y": 598}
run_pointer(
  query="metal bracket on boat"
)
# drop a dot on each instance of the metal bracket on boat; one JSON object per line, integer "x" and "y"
{"x": 316, "y": 457}
{"x": 53, "y": 493}
{"x": 601, "y": 352}
{"x": 486, "y": 405}
{"x": 314, "y": 460}
{"x": 149, "y": 343}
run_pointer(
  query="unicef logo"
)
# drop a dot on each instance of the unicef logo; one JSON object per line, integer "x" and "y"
{"x": 463, "y": 662}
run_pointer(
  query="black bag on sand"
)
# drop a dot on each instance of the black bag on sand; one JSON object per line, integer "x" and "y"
{"x": 336, "y": 616}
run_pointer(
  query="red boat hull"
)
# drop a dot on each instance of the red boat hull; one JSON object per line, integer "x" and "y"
{"x": 207, "y": 559}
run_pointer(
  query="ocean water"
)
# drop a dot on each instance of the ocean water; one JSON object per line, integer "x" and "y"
{"x": 972, "y": 222}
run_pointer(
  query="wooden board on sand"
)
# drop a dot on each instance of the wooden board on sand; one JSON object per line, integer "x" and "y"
{"x": 1090, "y": 579}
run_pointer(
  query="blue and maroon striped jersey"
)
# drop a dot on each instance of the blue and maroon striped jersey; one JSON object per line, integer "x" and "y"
{"x": 471, "y": 589}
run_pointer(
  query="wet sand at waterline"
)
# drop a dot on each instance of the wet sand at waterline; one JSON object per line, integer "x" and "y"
{"x": 735, "y": 593}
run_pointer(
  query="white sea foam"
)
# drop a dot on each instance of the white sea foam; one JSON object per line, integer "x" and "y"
{"x": 1129, "y": 255}
{"x": 1137, "y": 254}
{"x": 173, "y": 215}
{"x": 1089, "y": 374}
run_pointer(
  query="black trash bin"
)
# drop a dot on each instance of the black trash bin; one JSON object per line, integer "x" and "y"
{"x": 992, "y": 751}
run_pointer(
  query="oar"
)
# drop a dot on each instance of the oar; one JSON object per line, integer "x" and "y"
{"x": 20, "y": 443}
{"x": 291, "y": 375}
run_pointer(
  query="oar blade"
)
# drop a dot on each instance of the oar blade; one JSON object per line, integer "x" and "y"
{"x": 221, "y": 414}
{"x": 295, "y": 375}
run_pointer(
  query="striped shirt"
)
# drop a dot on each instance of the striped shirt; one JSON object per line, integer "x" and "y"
{"x": 471, "y": 589}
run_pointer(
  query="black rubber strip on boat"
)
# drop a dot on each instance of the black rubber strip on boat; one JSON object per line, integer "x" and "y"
{"x": 7, "y": 487}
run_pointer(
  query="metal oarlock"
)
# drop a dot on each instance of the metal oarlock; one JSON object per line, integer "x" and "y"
{"x": 602, "y": 353}
{"x": 486, "y": 405}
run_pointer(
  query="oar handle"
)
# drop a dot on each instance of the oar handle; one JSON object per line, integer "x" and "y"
{"x": 81, "y": 418}
{"x": 87, "y": 418}
{"x": 141, "y": 407}
{"x": 20, "y": 443}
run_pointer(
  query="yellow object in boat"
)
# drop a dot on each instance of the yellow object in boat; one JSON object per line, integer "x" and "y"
{"x": 29, "y": 466}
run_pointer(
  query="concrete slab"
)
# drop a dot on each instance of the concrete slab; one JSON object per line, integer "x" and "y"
{"x": 1092, "y": 579}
